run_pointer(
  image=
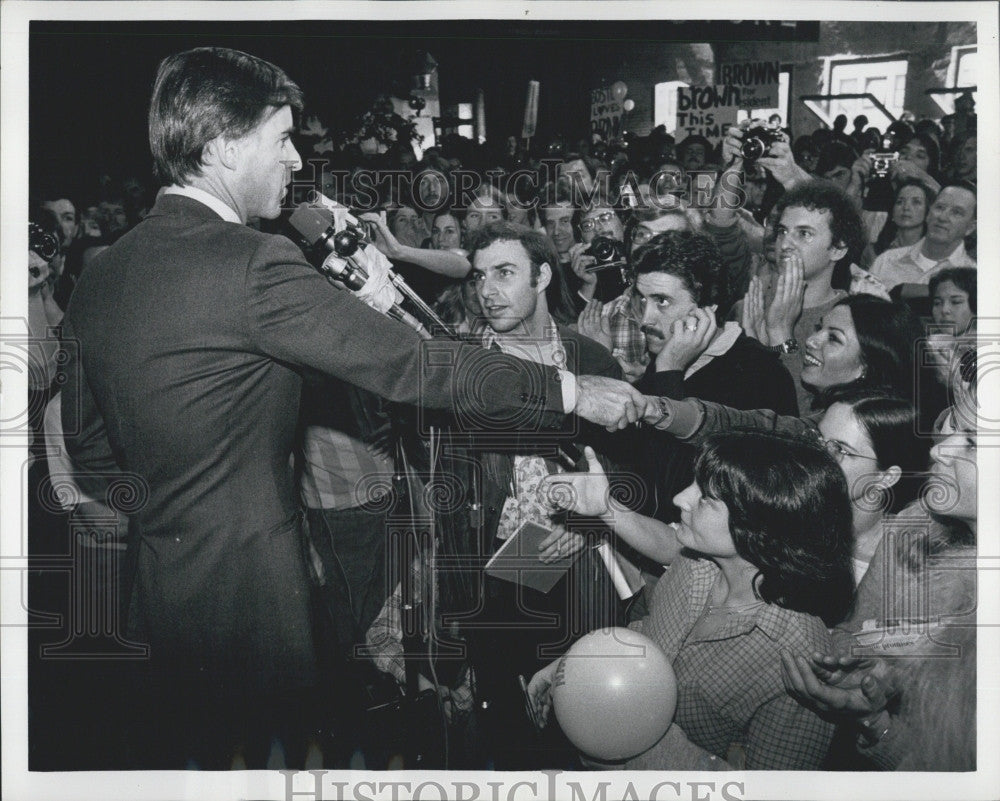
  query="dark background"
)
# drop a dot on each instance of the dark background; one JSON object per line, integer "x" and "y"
{"x": 91, "y": 81}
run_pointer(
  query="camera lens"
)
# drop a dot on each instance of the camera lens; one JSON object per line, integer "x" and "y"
{"x": 753, "y": 148}
{"x": 41, "y": 242}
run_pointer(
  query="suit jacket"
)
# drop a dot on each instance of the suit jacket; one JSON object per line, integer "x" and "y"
{"x": 192, "y": 334}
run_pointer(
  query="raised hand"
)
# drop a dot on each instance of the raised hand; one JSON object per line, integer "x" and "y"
{"x": 732, "y": 147}
{"x": 579, "y": 262}
{"x": 785, "y": 307}
{"x": 593, "y": 324}
{"x": 781, "y": 164}
{"x": 864, "y": 283}
{"x": 752, "y": 319}
{"x": 384, "y": 239}
{"x": 583, "y": 493}
{"x": 689, "y": 337}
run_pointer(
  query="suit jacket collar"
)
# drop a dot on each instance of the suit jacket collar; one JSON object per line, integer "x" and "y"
{"x": 179, "y": 205}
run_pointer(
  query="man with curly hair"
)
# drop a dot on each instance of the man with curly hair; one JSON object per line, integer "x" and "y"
{"x": 677, "y": 275}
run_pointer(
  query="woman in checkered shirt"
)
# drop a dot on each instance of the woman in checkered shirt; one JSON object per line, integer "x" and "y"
{"x": 766, "y": 567}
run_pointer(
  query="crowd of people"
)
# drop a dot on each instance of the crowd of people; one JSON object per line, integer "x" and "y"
{"x": 754, "y": 378}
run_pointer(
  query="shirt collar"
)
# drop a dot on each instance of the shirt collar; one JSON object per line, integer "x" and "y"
{"x": 957, "y": 256}
{"x": 548, "y": 352}
{"x": 721, "y": 344}
{"x": 210, "y": 200}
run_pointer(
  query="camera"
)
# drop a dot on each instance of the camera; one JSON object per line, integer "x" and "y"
{"x": 758, "y": 140}
{"x": 883, "y": 160}
{"x": 608, "y": 252}
{"x": 41, "y": 242}
{"x": 611, "y": 268}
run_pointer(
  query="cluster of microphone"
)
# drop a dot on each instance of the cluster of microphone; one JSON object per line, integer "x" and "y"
{"x": 322, "y": 222}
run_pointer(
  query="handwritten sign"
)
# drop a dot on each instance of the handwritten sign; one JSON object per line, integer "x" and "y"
{"x": 706, "y": 110}
{"x": 758, "y": 82}
{"x": 605, "y": 114}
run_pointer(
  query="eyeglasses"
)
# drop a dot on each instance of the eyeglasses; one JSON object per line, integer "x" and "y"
{"x": 839, "y": 451}
{"x": 591, "y": 224}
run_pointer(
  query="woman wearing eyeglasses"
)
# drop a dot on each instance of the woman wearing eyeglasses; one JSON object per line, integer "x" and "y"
{"x": 917, "y": 710}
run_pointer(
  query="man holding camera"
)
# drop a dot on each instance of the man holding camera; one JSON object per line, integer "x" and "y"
{"x": 193, "y": 333}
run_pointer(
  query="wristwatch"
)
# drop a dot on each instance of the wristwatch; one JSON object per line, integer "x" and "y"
{"x": 665, "y": 410}
{"x": 788, "y": 346}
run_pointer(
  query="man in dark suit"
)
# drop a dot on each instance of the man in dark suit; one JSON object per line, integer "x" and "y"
{"x": 192, "y": 331}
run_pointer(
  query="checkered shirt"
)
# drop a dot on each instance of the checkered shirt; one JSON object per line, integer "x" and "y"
{"x": 730, "y": 695}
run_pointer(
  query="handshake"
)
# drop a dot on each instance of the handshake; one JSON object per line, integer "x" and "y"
{"x": 616, "y": 404}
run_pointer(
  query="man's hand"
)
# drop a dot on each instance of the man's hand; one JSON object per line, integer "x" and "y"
{"x": 786, "y": 306}
{"x": 36, "y": 264}
{"x": 579, "y": 262}
{"x": 732, "y": 147}
{"x": 583, "y": 493}
{"x": 860, "y": 173}
{"x": 593, "y": 324}
{"x": 560, "y": 544}
{"x": 608, "y": 402}
{"x": 378, "y": 291}
{"x": 752, "y": 320}
{"x": 689, "y": 337}
{"x": 781, "y": 164}
{"x": 848, "y": 686}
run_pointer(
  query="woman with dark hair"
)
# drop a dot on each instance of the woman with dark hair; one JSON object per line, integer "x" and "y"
{"x": 953, "y": 308}
{"x": 926, "y": 612}
{"x": 906, "y": 223}
{"x": 864, "y": 342}
{"x": 953, "y": 298}
{"x": 875, "y": 441}
{"x": 766, "y": 530}
{"x": 919, "y": 158}
{"x": 446, "y": 233}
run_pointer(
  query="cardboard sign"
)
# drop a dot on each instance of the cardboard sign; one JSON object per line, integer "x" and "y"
{"x": 605, "y": 113}
{"x": 706, "y": 111}
{"x": 758, "y": 82}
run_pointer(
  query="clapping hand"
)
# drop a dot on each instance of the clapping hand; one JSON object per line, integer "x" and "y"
{"x": 593, "y": 324}
{"x": 752, "y": 319}
{"x": 785, "y": 308}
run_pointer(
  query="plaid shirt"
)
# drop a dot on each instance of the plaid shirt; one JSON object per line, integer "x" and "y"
{"x": 730, "y": 697}
{"x": 627, "y": 340}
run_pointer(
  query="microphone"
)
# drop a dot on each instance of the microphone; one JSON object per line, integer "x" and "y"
{"x": 318, "y": 227}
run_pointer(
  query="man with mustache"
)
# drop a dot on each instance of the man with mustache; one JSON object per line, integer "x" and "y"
{"x": 676, "y": 279}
